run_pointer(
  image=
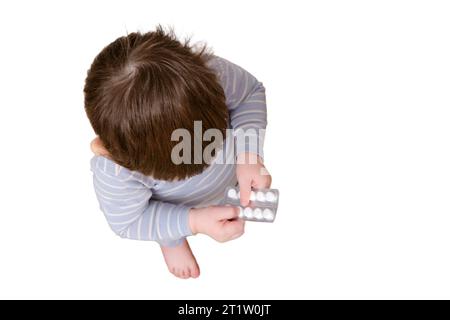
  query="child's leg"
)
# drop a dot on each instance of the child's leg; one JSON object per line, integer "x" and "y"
{"x": 180, "y": 260}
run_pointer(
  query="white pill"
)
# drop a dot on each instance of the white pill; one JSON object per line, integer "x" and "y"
{"x": 268, "y": 214}
{"x": 260, "y": 196}
{"x": 252, "y": 196}
{"x": 270, "y": 196}
{"x": 241, "y": 212}
{"x": 248, "y": 212}
{"x": 257, "y": 213}
{"x": 232, "y": 194}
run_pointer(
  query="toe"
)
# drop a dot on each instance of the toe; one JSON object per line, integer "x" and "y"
{"x": 179, "y": 273}
{"x": 194, "y": 271}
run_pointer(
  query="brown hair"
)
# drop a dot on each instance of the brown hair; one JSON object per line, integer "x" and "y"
{"x": 142, "y": 87}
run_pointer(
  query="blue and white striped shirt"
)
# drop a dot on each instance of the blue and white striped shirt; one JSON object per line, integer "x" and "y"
{"x": 142, "y": 208}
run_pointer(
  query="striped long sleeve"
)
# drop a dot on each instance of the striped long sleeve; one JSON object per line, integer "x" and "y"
{"x": 125, "y": 199}
{"x": 246, "y": 100}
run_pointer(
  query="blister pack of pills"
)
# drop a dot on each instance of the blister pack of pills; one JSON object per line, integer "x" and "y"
{"x": 262, "y": 207}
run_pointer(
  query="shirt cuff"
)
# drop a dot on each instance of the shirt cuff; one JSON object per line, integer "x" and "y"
{"x": 249, "y": 144}
{"x": 184, "y": 221}
{"x": 172, "y": 243}
{"x": 179, "y": 225}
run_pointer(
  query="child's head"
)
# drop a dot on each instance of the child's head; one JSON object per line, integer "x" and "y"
{"x": 142, "y": 87}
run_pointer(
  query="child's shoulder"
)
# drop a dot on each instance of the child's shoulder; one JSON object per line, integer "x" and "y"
{"x": 114, "y": 172}
{"x": 221, "y": 65}
{"x": 227, "y": 72}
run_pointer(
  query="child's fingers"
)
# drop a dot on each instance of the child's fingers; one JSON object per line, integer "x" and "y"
{"x": 262, "y": 182}
{"x": 229, "y": 213}
{"x": 235, "y": 228}
{"x": 245, "y": 188}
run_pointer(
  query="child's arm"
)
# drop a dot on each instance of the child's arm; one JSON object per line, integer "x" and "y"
{"x": 125, "y": 199}
{"x": 246, "y": 100}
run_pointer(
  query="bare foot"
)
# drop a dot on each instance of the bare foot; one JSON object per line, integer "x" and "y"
{"x": 180, "y": 261}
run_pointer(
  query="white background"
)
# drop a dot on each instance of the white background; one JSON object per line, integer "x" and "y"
{"x": 357, "y": 142}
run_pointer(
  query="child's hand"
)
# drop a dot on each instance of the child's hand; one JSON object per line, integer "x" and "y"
{"x": 220, "y": 223}
{"x": 250, "y": 172}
